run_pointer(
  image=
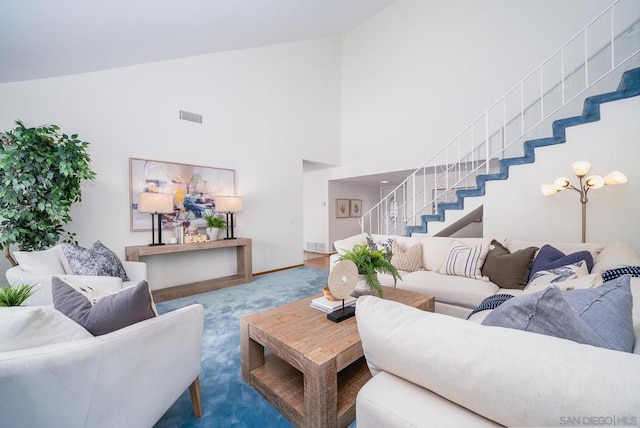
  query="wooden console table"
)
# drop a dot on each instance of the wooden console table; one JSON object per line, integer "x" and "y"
{"x": 244, "y": 271}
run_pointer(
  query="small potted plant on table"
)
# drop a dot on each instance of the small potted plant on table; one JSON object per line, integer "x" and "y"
{"x": 369, "y": 263}
{"x": 15, "y": 295}
{"x": 214, "y": 225}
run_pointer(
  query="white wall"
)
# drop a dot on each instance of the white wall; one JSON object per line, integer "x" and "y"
{"x": 264, "y": 111}
{"x": 420, "y": 71}
{"x": 517, "y": 209}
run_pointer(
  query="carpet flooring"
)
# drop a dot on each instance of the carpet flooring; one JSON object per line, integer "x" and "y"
{"x": 227, "y": 400}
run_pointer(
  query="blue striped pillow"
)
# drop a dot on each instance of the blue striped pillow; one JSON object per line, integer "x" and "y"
{"x": 465, "y": 261}
{"x": 610, "y": 274}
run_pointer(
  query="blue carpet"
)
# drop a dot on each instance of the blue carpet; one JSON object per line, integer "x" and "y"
{"x": 227, "y": 400}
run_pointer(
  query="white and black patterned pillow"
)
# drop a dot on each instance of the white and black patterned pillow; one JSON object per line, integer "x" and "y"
{"x": 97, "y": 260}
{"x": 610, "y": 274}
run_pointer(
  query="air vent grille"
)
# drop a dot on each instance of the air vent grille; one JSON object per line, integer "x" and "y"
{"x": 191, "y": 117}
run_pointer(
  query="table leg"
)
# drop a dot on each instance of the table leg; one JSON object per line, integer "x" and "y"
{"x": 321, "y": 395}
{"x": 251, "y": 352}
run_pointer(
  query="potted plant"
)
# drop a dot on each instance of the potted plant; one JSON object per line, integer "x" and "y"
{"x": 369, "y": 263}
{"x": 41, "y": 171}
{"x": 214, "y": 225}
{"x": 15, "y": 295}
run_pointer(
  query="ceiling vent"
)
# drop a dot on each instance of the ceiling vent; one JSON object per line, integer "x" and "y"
{"x": 191, "y": 117}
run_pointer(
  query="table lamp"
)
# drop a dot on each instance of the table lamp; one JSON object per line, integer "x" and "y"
{"x": 156, "y": 204}
{"x": 229, "y": 205}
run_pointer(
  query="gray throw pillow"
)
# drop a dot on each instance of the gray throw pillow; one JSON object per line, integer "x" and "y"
{"x": 97, "y": 260}
{"x": 507, "y": 269}
{"x": 112, "y": 312}
{"x": 599, "y": 316}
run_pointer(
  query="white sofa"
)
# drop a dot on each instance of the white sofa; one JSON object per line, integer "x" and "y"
{"x": 459, "y": 295}
{"x": 431, "y": 369}
{"x": 436, "y": 370}
{"x": 38, "y": 267}
{"x": 127, "y": 378}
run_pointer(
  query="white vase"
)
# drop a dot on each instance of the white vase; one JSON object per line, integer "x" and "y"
{"x": 362, "y": 288}
{"x": 213, "y": 233}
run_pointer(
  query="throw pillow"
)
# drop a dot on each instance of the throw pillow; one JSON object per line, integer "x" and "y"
{"x": 558, "y": 276}
{"x": 386, "y": 247}
{"x": 610, "y": 274}
{"x": 407, "y": 260}
{"x": 110, "y": 313}
{"x": 97, "y": 260}
{"x": 45, "y": 262}
{"x": 550, "y": 258}
{"x": 32, "y": 326}
{"x": 490, "y": 303}
{"x": 507, "y": 269}
{"x": 465, "y": 261}
{"x": 598, "y": 316}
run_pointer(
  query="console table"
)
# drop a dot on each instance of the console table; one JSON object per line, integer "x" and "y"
{"x": 244, "y": 271}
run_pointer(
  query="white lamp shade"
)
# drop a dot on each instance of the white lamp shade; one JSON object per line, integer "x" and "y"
{"x": 594, "y": 182}
{"x": 548, "y": 189}
{"x": 562, "y": 183}
{"x": 229, "y": 204}
{"x": 581, "y": 168}
{"x": 155, "y": 202}
{"x": 615, "y": 177}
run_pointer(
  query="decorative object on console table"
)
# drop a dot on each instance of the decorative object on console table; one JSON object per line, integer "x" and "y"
{"x": 229, "y": 205}
{"x": 214, "y": 225}
{"x": 355, "y": 207}
{"x": 342, "y": 281}
{"x": 156, "y": 204}
{"x": 342, "y": 208}
{"x": 581, "y": 169}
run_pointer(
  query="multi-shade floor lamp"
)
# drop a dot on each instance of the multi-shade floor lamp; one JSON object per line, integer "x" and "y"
{"x": 586, "y": 183}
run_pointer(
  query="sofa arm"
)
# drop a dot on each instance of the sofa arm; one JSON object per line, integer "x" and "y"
{"x": 136, "y": 271}
{"x": 509, "y": 376}
{"x": 129, "y": 377}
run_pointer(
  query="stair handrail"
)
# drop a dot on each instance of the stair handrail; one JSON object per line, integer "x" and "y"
{"x": 411, "y": 212}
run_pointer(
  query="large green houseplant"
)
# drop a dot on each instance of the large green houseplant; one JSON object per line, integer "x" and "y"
{"x": 40, "y": 172}
{"x": 370, "y": 262}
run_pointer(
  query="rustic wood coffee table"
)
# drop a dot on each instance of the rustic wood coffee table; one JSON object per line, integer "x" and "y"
{"x": 314, "y": 367}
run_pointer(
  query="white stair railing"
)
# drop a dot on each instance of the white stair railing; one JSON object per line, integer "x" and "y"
{"x": 602, "y": 46}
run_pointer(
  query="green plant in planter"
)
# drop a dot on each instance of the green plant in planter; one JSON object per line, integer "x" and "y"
{"x": 40, "y": 175}
{"x": 369, "y": 263}
{"x": 15, "y": 295}
{"x": 215, "y": 221}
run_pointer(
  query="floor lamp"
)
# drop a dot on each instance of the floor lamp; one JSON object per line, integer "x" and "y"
{"x": 229, "y": 205}
{"x": 581, "y": 169}
{"x": 155, "y": 204}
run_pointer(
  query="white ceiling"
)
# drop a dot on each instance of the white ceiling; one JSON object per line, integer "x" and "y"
{"x": 47, "y": 38}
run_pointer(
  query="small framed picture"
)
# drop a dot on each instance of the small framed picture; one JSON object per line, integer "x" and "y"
{"x": 355, "y": 207}
{"x": 342, "y": 208}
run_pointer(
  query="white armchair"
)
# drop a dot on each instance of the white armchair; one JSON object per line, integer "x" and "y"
{"x": 38, "y": 267}
{"x": 127, "y": 378}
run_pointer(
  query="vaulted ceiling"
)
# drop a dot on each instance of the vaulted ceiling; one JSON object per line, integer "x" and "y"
{"x": 47, "y": 38}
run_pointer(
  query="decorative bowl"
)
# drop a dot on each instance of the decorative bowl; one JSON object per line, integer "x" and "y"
{"x": 328, "y": 294}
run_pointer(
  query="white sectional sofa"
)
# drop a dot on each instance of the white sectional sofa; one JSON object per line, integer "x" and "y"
{"x": 459, "y": 295}
{"x": 432, "y": 369}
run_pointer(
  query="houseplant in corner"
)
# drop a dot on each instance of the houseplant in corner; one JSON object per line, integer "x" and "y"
{"x": 369, "y": 263}
{"x": 214, "y": 225}
{"x": 40, "y": 175}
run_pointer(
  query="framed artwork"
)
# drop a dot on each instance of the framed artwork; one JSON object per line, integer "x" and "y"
{"x": 355, "y": 207}
{"x": 342, "y": 208}
{"x": 194, "y": 189}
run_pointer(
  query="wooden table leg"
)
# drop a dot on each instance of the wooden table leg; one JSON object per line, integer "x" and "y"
{"x": 321, "y": 395}
{"x": 251, "y": 352}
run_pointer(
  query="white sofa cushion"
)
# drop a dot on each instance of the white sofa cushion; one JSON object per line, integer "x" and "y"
{"x": 32, "y": 326}
{"x": 344, "y": 245}
{"x": 456, "y": 290}
{"x": 515, "y": 385}
{"x": 45, "y": 262}
{"x": 615, "y": 255}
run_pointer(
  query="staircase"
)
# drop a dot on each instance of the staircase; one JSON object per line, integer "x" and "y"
{"x": 508, "y": 133}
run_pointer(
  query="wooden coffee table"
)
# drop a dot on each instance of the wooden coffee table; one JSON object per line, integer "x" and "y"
{"x": 314, "y": 368}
